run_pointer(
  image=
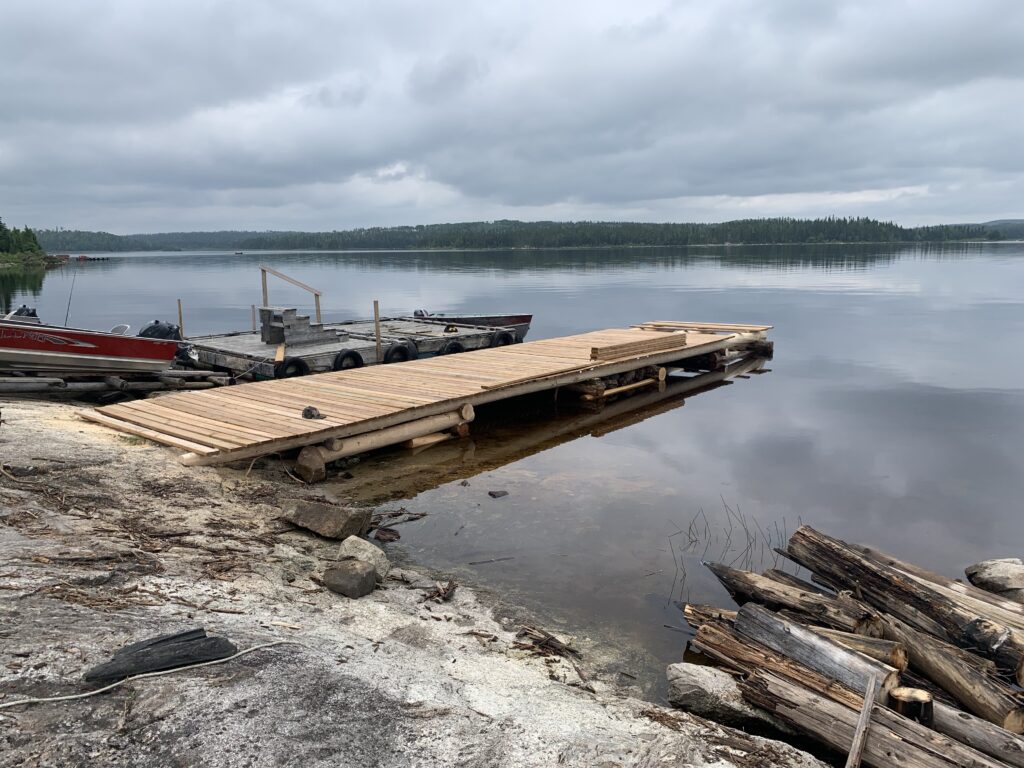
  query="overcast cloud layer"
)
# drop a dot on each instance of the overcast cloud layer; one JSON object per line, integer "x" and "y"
{"x": 134, "y": 116}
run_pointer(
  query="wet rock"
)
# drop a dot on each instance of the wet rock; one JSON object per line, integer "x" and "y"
{"x": 362, "y": 550}
{"x": 328, "y": 520}
{"x": 351, "y": 578}
{"x": 712, "y": 693}
{"x": 497, "y": 494}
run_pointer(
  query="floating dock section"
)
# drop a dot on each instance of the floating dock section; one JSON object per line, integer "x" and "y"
{"x": 366, "y": 408}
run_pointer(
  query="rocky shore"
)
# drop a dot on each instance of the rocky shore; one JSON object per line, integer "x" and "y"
{"x": 105, "y": 540}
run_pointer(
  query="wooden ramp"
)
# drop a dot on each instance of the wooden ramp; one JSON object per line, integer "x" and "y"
{"x": 249, "y": 420}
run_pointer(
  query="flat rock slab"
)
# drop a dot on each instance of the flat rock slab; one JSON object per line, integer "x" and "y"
{"x": 360, "y": 549}
{"x": 351, "y": 578}
{"x": 329, "y": 520}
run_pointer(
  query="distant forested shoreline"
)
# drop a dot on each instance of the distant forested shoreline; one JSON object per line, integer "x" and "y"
{"x": 509, "y": 234}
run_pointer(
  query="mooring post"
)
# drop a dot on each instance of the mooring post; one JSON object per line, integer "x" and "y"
{"x": 376, "y": 330}
{"x": 181, "y": 320}
{"x": 266, "y": 296}
{"x": 254, "y": 317}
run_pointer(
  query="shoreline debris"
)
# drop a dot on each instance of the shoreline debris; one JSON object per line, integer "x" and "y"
{"x": 943, "y": 658}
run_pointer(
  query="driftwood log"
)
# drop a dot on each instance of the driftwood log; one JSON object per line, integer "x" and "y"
{"x": 840, "y": 612}
{"x": 814, "y": 651}
{"x": 893, "y": 740}
{"x": 888, "y": 652}
{"x": 922, "y": 606}
{"x": 721, "y": 643}
{"x": 964, "y": 676}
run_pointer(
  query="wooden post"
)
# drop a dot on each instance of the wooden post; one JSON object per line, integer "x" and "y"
{"x": 376, "y": 331}
{"x": 316, "y": 303}
{"x": 860, "y": 733}
{"x": 915, "y": 703}
{"x": 254, "y": 317}
{"x": 266, "y": 296}
{"x": 181, "y": 320}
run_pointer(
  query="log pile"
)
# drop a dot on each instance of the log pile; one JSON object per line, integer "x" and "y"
{"x": 874, "y": 657}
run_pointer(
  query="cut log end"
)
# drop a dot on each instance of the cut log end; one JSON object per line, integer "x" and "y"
{"x": 915, "y": 703}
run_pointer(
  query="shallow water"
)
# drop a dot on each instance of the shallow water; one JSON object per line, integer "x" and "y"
{"x": 893, "y": 413}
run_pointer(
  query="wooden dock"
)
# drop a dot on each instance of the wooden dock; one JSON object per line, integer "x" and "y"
{"x": 366, "y": 408}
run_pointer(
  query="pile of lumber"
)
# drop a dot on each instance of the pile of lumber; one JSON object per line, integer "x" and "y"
{"x": 874, "y": 657}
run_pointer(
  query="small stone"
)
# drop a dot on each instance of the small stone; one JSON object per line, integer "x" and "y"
{"x": 364, "y": 551}
{"x": 351, "y": 578}
{"x": 333, "y": 522}
{"x": 464, "y": 483}
{"x": 497, "y": 494}
{"x": 311, "y": 412}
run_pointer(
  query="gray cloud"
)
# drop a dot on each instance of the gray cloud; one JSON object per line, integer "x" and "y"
{"x": 166, "y": 115}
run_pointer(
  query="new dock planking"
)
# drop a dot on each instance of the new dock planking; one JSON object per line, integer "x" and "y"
{"x": 367, "y": 408}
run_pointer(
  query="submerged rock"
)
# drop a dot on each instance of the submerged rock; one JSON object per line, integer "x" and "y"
{"x": 362, "y": 550}
{"x": 328, "y": 520}
{"x": 351, "y": 578}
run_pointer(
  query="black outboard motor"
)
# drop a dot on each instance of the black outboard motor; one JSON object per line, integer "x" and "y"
{"x": 24, "y": 311}
{"x": 420, "y": 313}
{"x": 158, "y": 329}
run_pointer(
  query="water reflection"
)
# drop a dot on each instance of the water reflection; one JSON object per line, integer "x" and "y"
{"x": 18, "y": 286}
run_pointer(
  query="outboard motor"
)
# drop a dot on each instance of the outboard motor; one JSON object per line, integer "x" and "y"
{"x": 23, "y": 314}
{"x": 420, "y": 313}
{"x": 158, "y": 329}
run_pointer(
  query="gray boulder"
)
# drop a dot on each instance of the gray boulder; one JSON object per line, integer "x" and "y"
{"x": 329, "y": 520}
{"x": 362, "y": 550}
{"x": 351, "y": 578}
{"x": 713, "y": 694}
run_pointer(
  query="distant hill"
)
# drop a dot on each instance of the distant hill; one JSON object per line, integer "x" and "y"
{"x": 507, "y": 233}
{"x": 1009, "y": 229}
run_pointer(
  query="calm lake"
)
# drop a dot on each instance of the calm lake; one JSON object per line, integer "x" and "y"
{"x": 893, "y": 413}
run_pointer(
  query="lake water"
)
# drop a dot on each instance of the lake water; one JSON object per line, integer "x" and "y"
{"x": 893, "y": 413}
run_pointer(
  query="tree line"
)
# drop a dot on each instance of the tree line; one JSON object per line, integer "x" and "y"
{"x": 19, "y": 247}
{"x": 508, "y": 233}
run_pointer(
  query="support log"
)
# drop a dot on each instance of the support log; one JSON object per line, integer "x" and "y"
{"x": 893, "y": 739}
{"x": 814, "y": 651}
{"x": 895, "y": 592}
{"x": 311, "y": 464}
{"x": 840, "y": 612}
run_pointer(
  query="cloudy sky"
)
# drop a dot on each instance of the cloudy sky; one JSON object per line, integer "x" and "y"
{"x": 142, "y": 116}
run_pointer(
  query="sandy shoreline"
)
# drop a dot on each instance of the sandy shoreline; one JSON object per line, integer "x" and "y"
{"x": 114, "y": 541}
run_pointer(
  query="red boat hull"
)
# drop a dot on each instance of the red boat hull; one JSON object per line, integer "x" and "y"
{"x": 50, "y": 348}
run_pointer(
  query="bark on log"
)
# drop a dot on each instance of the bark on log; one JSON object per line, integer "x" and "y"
{"x": 697, "y": 614}
{"x": 997, "y": 607}
{"x": 795, "y": 581}
{"x": 814, "y": 651}
{"x": 893, "y": 740}
{"x": 959, "y": 674}
{"x": 840, "y": 612}
{"x": 979, "y": 734}
{"x": 1003, "y": 577}
{"x": 921, "y": 606}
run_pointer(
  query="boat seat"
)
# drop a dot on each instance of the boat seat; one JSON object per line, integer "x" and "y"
{"x": 121, "y": 330}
